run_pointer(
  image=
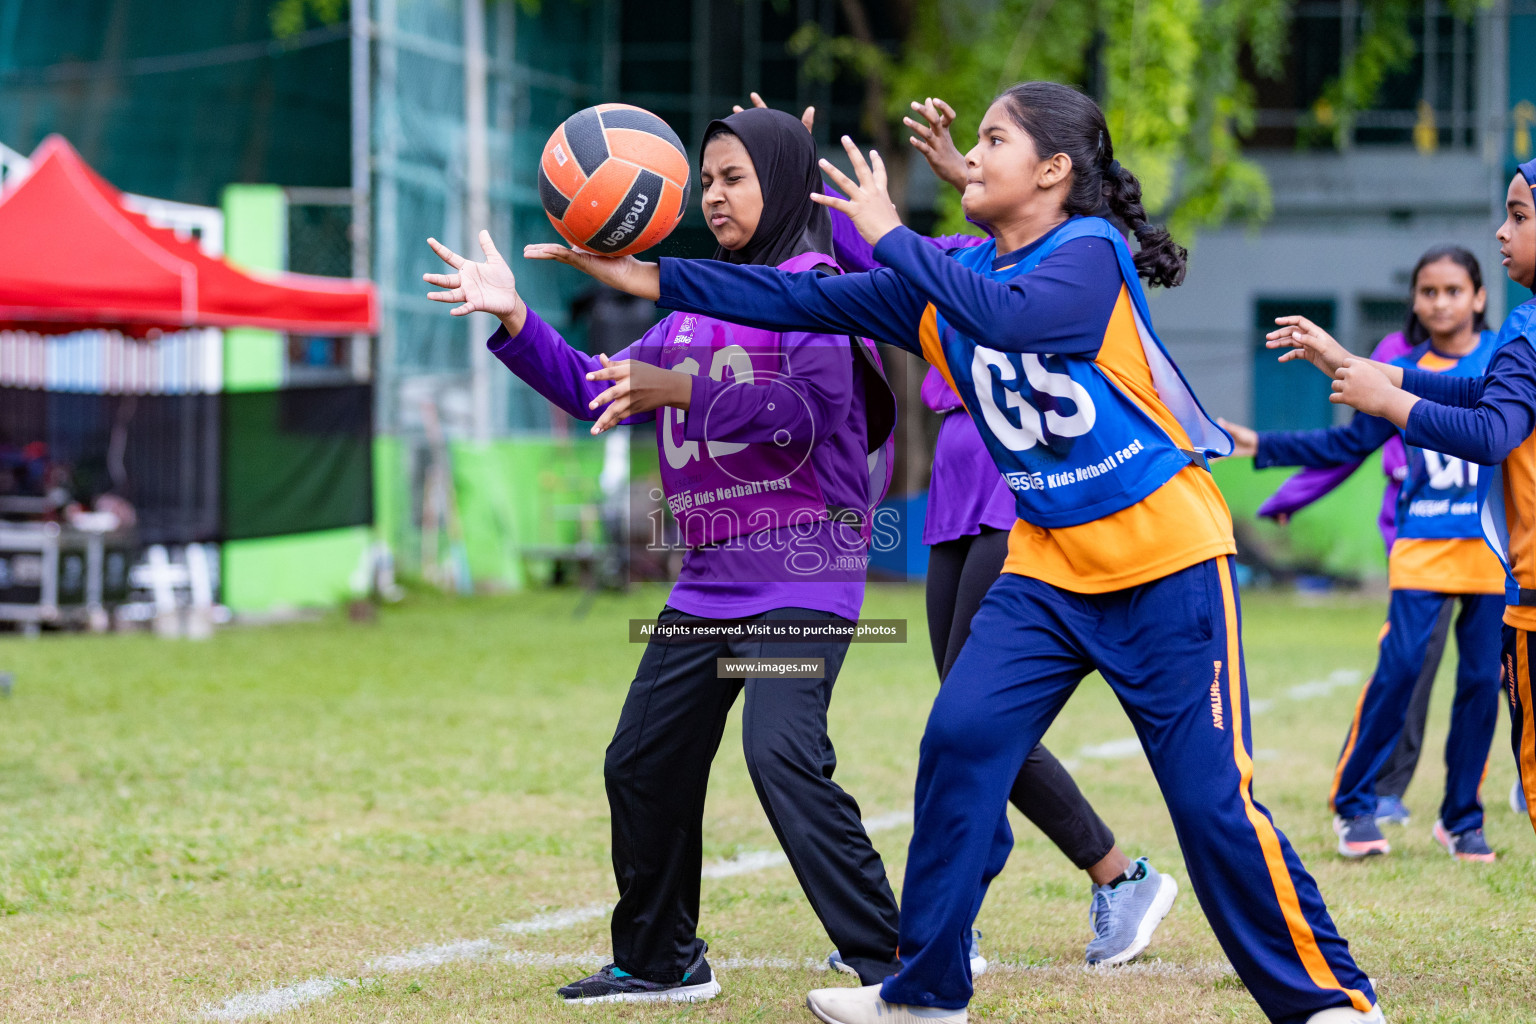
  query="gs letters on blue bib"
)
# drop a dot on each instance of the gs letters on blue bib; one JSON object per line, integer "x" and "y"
{"x": 1071, "y": 444}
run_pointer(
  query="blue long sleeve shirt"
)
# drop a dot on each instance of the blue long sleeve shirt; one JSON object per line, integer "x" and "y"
{"x": 1063, "y": 306}
{"x": 1479, "y": 419}
{"x": 1336, "y": 446}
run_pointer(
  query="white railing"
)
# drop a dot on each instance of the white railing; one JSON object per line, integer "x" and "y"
{"x": 13, "y": 167}
{"x": 204, "y": 223}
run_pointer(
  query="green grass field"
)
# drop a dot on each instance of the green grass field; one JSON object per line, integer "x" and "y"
{"x": 338, "y": 819}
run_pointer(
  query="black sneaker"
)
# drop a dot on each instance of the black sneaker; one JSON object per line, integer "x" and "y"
{"x": 611, "y": 985}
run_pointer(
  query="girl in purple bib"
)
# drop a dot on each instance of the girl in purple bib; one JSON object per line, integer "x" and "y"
{"x": 772, "y": 448}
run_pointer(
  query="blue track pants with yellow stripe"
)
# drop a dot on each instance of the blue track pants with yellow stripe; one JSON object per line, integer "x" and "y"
{"x": 1383, "y": 705}
{"x": 1172, "y": 651}
{"x": 1522, "y": 711}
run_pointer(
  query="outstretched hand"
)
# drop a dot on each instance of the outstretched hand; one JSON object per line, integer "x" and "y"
{"x": 638, "y": 387}
{"x": 625, "y": 273}
{"x": 932, "y": 139}
{"x": 487, "y": 287}
{"x": 808, "y": 118}
{"x": 869, "y": 199}
{"x": 1307, "y": 341}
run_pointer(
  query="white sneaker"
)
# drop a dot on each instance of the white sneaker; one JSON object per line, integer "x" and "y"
{"x": 1347, "y": 1015}
{"x": 864, "y": 1006}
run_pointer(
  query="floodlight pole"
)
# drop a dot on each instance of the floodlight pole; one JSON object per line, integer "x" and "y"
{"x": 477, "y": 202}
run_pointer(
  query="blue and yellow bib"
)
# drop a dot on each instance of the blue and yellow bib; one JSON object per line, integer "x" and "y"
{"x": 1521, "y": 323}
{"x": 1439, "y": 499}
{"x": 1072, "y": 445}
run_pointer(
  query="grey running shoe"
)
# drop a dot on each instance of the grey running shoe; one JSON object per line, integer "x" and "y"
{"x": 1469, "y": 845}
{"x": 1517, "y": 799}
{"x": 1124, "y": 914}
{"x": 611, "y": 985}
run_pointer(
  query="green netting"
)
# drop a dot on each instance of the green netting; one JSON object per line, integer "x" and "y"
{"x": 296, "y": 460}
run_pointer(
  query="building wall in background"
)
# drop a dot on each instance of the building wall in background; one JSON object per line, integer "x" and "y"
{"x": 1349, "y": 223}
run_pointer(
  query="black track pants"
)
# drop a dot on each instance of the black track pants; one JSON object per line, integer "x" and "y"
{"x": 959, "y": 573}
{"x": 657, "y": 770}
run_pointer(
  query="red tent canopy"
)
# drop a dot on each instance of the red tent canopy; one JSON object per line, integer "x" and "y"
{"x": 72, "y": 256}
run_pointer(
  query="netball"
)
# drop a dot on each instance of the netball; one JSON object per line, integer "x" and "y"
{"x": 614, "y": 179}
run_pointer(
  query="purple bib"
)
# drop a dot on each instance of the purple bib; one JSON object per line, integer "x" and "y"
{"x": 723, "y": 489}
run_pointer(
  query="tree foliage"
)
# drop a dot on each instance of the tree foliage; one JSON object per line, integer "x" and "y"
{"x": 1174, "y": 78}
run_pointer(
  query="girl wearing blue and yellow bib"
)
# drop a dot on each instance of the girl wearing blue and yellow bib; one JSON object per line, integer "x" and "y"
{"x": 1438, "y": 557}
{"x": 1120, "y": 560}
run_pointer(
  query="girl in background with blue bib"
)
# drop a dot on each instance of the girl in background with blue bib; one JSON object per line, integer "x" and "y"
{"x": 1120, "y": 561}
{"x": 1438, "y": 555}
{"x": 1489, "y": 420}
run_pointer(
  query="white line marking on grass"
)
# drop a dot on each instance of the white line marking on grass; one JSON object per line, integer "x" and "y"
{"x": 886, "y": 822}
{"x": 744, "y": 864}
{"x": 288, "y": 997}
{"x": 434, "y": 956}
{"x": 519, "y": 958}
{"x": 556, "y": 919}
{"x": 276, "y": 1000}
{"x": 1339, "y": 679}
{"x": 1113, "y": 750}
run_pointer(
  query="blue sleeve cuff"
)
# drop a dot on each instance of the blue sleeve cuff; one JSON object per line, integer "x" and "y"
{"x": 705, "y": 391}
{"x": 667, "y": 271}
{"x": 1422, "y": 409}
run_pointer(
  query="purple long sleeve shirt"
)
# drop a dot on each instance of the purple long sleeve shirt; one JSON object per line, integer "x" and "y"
{"x": 728, "y": 580}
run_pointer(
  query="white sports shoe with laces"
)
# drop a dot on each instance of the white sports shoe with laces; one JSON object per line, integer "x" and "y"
{"x": 1347, "y": 1015}
{"x": 864, "y": 1006}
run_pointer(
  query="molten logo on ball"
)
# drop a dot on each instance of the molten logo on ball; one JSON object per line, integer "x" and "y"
{"x": 631, "y": 220}
{"x": 614, "y": 179}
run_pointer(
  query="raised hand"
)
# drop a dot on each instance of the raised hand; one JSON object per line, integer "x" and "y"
{"x": 1245, "y": 440}
{"x": 1307, "y": 341}
{"x": 487, "y": 287}
{"x": 808, "y": 118}
{"x": 934, "y": 142}
{"x": 625, "y": 273}
{"x": 638, "y": 387}
{"x": 869, "y": 199}
{"x": 1362, "y": 384}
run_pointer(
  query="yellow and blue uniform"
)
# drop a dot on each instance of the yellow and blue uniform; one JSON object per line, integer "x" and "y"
{"x": 1490, "y": 421}
{"x": 1438, "y": 556}
{"x": 1120, "y": 562}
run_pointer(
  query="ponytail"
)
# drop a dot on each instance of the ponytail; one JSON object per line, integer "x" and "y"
{"x": 1062, "y": 120}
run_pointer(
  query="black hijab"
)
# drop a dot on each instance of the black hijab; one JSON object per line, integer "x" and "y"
{"x": 784, "y": 155}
